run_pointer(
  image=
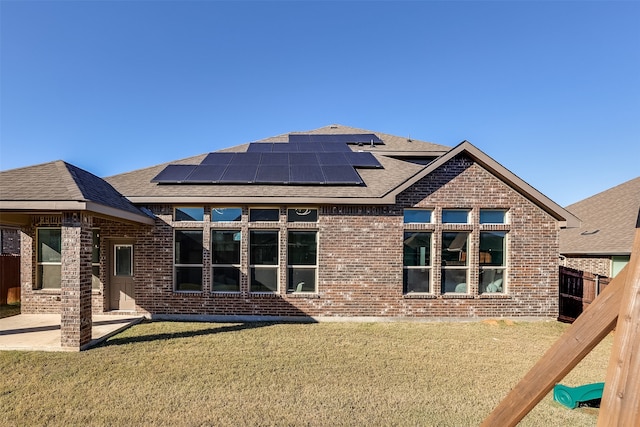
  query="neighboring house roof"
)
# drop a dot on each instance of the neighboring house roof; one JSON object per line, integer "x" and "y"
{"x": 608, "y": 222}
{"x": 58, "y": 186}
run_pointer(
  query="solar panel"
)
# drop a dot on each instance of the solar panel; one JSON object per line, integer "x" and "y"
{"x": 245, "y": 174}
{"x": 332, "y": 159}
{"x": 341, "y": 175}
{"x": 275, "y": 159}
{"x": 362, "y": 160}
{"x": 270, "y": 174}
{"x": 203, "y": 174}
{"x": 218, "y": 159}
{"x": 174, "y": 174}
{"x": 260, "y": 147}
{"x": 284, "y": 147}
{"x": 306, "y": 174}
{"x": 332, "y": 147}
{"x": 356, "y": 138}
{"x": 303, "y": 159}
{"x": 243, "y": 159}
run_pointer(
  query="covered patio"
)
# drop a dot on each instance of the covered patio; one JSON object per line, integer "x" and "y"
{"x": 42, "y": 332}
{"x": 57, "y": 208}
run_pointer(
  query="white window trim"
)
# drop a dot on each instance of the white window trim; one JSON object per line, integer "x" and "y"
{"x": 315, "y": 266}
{"x": 39, "y": 263}
{"x": 115, "y": 250}
{"x": 175, "y": 265}
{"x": 264, "y": 266}
{"x": 238, "y": 266}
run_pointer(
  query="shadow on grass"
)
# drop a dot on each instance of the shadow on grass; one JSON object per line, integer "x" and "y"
{"x": 184, "y": 334}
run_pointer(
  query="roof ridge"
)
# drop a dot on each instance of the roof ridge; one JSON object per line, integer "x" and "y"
{"x": 71, "y": 180}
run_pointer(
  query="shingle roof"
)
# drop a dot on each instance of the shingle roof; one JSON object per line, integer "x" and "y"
{"x": 137, "y": 185}
{"x": 59, "y": 181}
{"x": 608, "y": 222}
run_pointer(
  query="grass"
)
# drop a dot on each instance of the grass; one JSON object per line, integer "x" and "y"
{"x": 326, "y": 374}
{"x": 9, "y": 310}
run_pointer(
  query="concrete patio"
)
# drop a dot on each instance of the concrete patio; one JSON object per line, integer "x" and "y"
{"x": 41, "y": 332}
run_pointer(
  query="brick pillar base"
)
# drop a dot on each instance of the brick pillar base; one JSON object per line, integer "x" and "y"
{"x": 75, "y": 326}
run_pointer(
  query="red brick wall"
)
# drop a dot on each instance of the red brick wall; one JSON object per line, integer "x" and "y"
{"x": 360, "y": 265}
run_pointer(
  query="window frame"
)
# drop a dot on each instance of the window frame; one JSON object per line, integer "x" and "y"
{"x": 237, "y": 266}
{"x": 214, "y": 209}
{"x": 115, "y": 259}
{"x": 177, "y": 208}
{"x": 445, "y": 211}
{"x": 500, "y": 283}
{"x": 39, "y": 264}
{"x": 416, "y": 210}
{"x": 177, "y": 265}
{"x": 428, "y": 266}
{"x": 291, "y": 267}
{"x": 266, "y": 208}
{"x": 444, "y": 268}
{"x": 256, "y": 267}
{"x": 504, "y": 216}
{"x": 96, "y": 251}
{"x": 314, "y": 209}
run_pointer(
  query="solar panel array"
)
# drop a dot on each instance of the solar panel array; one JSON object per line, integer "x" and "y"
{"x": 305, "y": 162}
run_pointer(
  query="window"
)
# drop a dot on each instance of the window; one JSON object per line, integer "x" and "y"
{"x": 454, "y": 262}
{"x": 49, "y": 274}
{"x": 189, "y": 214}
{"x": 225, "y": 256}
{"x": 417, "y": 262}
{"x": 417, "y": 216}
{"x": 492, "y": 216}
{"x": 188, "y": 260}
{"x": 263, "y": 260}
{"x": 455, "y": 216}
{"x": 492, "y": 261}
{"x": 226, "y": 214}
{"x": 95, "y": 260}
{"x": 302, "y": 261}
{"x": 302, "y": 215}
{"x": 123, "y": 256}
{"x": 264, "y": 215}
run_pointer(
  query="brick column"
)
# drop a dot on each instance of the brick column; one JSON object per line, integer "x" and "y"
{"x": 75, "y": 326}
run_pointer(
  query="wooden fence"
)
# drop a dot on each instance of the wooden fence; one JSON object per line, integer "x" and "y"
{"x": 9, "y": 279}
{"x": 577, "y": 290}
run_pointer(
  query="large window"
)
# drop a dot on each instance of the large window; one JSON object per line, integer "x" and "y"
{"x": 417, "y": 262}
{"x": 455, "y": 262}
{"x": 225, "y": 258}
{"x": 263, "y": 260}
{"x": 302, "y": 261}
{"x": 49, "y": 274}
{"x": 492, "y": 261}
{"x": 188, "y": 260}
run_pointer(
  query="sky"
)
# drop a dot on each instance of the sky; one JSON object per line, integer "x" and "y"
{"x": 549, "y": 89}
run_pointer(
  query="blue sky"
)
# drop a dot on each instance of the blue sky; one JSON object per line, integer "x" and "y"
{"x": 549, "y": 89}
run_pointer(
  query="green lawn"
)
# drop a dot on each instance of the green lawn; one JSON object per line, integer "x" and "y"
{"x": 326, "y": 374}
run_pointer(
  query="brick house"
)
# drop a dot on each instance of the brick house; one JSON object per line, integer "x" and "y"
{"x": 602, "y": 244}
{"x": 332, "y": 222}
